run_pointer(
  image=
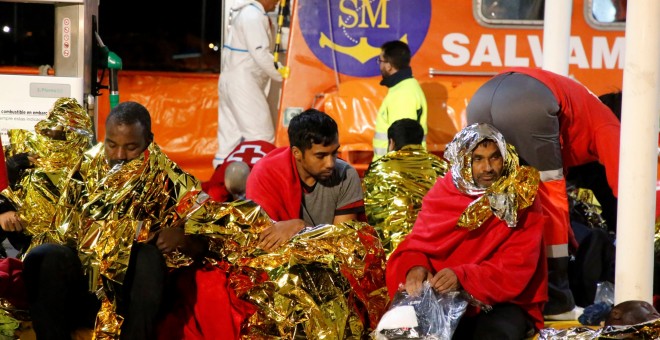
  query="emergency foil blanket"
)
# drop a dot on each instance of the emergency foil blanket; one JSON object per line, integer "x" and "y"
{"x": 394, "y": 187}
{"x": 55, "y": 148}
{"x": 328, "y": 282}
{"x": 102, "y": 211}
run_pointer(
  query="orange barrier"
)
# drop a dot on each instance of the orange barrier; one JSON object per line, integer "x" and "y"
{"x": 184, "y": 111}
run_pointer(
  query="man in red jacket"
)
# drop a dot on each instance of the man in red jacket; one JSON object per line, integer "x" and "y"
{"x": 555, "y": 123}
{"x": 481, "y": 230}
{"x": 305, "y": 184}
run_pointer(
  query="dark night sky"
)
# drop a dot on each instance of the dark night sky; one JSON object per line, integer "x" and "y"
{"x": 145, "y": 34}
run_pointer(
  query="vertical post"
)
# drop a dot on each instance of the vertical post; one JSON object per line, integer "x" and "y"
{"x": 639, "y": 152}
{"x": 557, "y": 35}
{"x": 4, "y": 181}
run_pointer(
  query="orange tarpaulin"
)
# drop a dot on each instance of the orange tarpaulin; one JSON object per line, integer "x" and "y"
{"x": 184, "y": 113}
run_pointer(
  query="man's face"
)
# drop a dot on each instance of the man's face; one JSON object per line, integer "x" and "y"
{"x": 385, "y": 66}
{"x": 487, "y": 164}
{"x": 318, "y": 161}
{"x": 124, "y": 142}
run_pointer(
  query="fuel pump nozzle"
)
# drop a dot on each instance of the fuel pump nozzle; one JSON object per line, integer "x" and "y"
{"x": 112, "y": 62}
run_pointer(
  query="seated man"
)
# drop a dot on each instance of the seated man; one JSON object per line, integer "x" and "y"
{"x": 481, "y": 230}
{"x": 298, "y": 186}
{"x": 396, "y": 183}
{"x": 555, "y": 123}
{"x": 117, "y": 214}
{"x": 305, "y": 184}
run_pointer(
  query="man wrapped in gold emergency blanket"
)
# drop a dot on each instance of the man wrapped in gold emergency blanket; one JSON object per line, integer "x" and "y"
{"x": 104, "y": 210}
{"x": 394, "y": 187}
{"x": 108, "y": 212}
{"x": 55, "y": 148}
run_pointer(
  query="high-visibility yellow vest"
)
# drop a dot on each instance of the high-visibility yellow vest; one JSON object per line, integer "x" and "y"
{"x": 403, "y": 100}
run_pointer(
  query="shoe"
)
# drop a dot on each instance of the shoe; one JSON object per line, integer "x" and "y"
{"x": 571, "y": 315}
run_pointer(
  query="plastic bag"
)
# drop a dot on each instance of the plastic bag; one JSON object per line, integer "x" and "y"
{"x": 605, "y": 293}
{"x": 596, "y": 313}
{"x": 428, "y": 316}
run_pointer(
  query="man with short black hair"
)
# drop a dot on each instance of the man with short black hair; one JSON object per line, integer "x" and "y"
{"x": 404, "y": 132}
{"x": 405, "y": 98}
{"x": 305, "y": 184}
{"x": 395, "y": 184}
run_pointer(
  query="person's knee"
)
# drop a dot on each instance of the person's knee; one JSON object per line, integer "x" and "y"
{"x": 50, "y": 257}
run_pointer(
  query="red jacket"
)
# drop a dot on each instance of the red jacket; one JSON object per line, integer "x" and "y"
{"x": 249, "y": 152}
{"x": 589, "y": 131}
{"x": 494, "y": 263}
{"x": 274, "y": 184}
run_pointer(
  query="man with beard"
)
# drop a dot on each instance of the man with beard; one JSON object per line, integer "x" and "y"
{"x": 305, "y": 184}
{"x": 481, "y": 230}
{"x": 555, "y": 123}
{"x": 405, "y": 98}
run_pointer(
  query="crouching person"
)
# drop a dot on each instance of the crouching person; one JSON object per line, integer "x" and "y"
{"x": 481, "y": 230}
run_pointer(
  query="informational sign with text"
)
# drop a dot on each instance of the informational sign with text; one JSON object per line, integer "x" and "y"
{"x": 25, "y": 100}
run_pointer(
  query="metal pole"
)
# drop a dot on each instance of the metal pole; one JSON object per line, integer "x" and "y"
{"x": 638, "y": 160}
{"x": 557, "y": 35}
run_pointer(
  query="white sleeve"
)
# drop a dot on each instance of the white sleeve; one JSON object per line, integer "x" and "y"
{"x": 257, "y": 41}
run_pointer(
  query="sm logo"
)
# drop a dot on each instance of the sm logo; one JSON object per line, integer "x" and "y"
{"x": 346, "y": 35}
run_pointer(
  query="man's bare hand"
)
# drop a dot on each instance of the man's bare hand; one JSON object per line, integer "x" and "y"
{"x": 279, "y": 233}
{"x": 445, "y": 281}
{"x": 170, "y": 239}
{"x": 415, "y": 278}
{"x": 9, "y": 221}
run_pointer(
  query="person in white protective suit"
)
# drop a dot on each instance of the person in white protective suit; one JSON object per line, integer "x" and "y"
{"x": 247, "y": 67}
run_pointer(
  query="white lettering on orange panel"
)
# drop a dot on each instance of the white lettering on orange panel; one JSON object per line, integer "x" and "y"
{"x": 458, "y": 51}
{"x": 577, "y": 56}
{"x": 536, "y": 48}
{"x": 486, "y": 52}
{"x": 510, "y": 57}
{"x": 600, "y": 51}
{"x": 458, "y": 54}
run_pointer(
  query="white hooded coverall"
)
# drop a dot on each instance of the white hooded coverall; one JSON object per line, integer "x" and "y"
{"x": 247, "y": 66}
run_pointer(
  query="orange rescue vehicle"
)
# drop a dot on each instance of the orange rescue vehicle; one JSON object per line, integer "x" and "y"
{"x": 332, "y": 50}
